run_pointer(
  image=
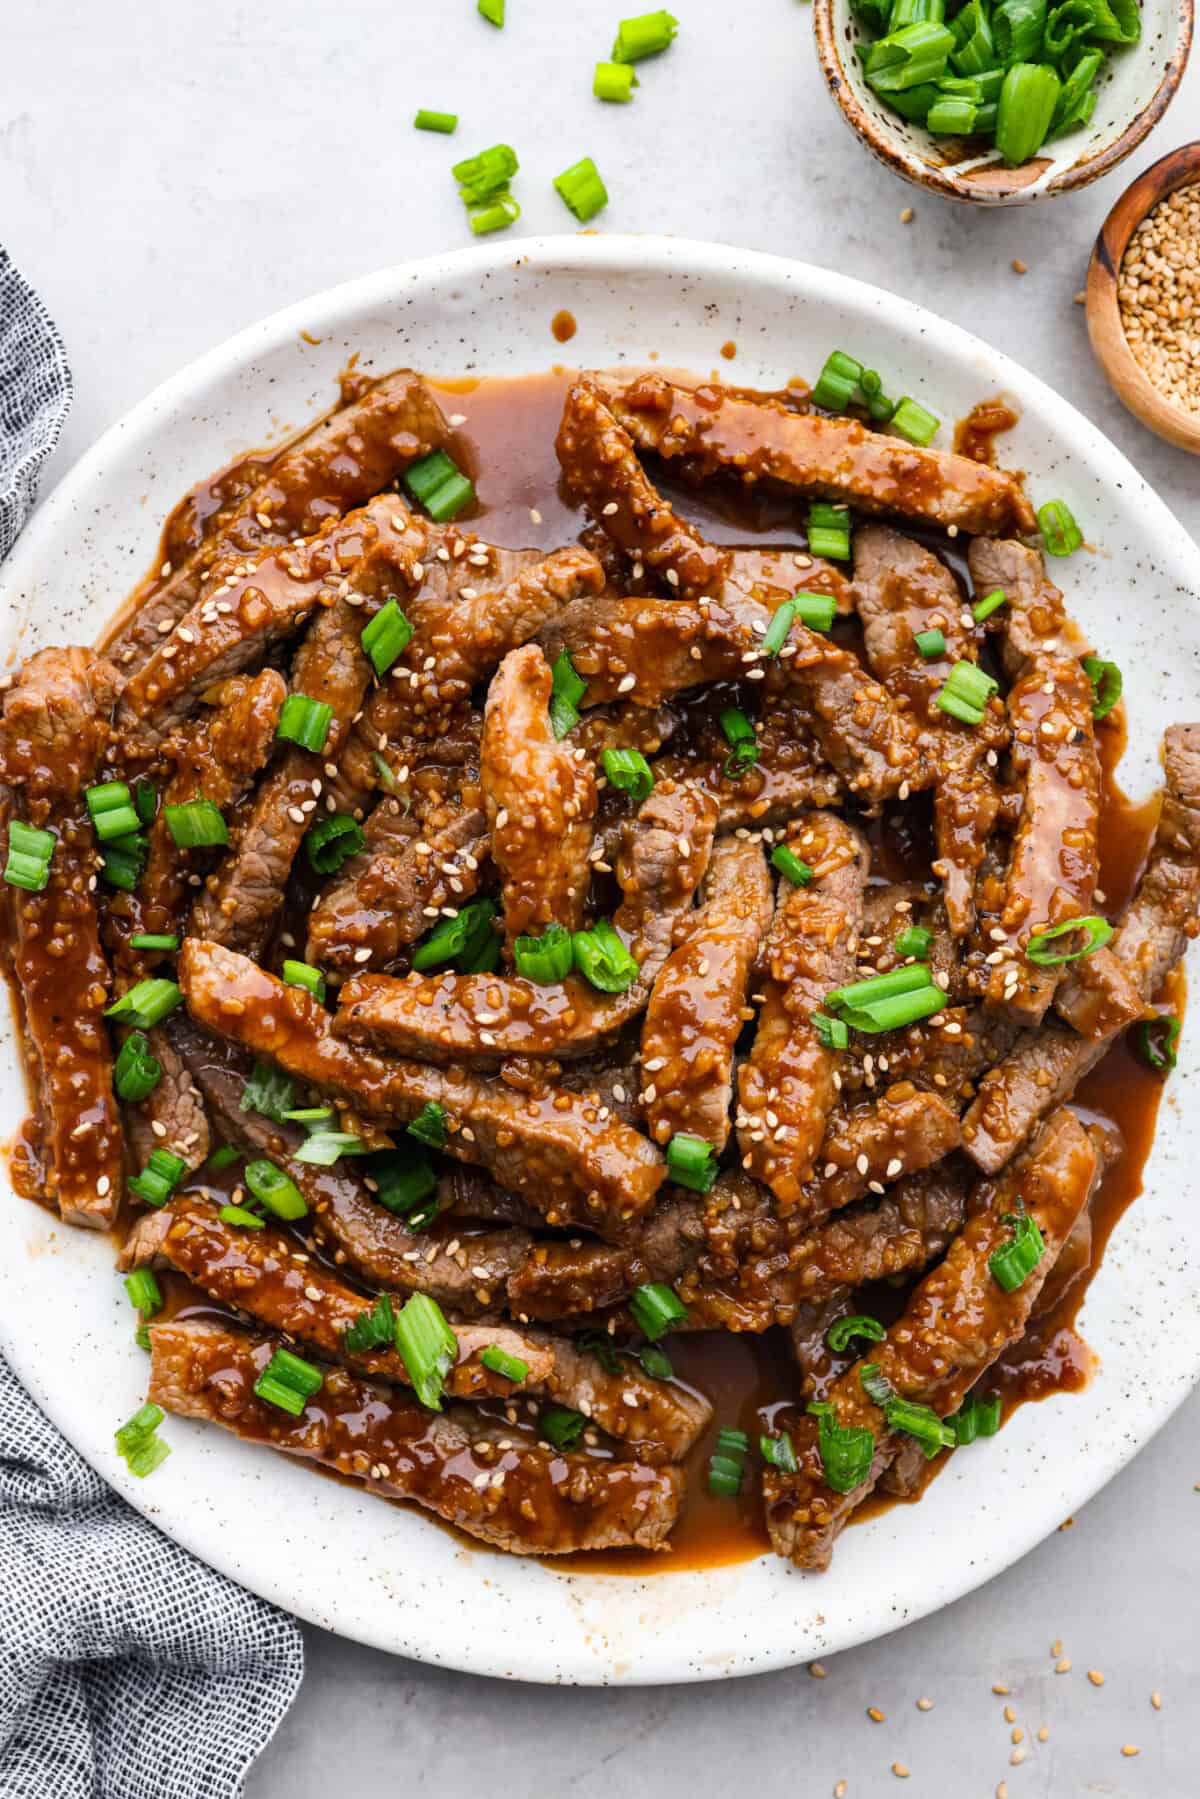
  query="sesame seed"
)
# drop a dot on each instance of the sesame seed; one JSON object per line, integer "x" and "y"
{"x": 1130, "y": 1749}
{"x": 875, "y": 1715}
{"x": 899, "y": 1770}
{"x": 924, "y": 1705}
{"x": 1095, "y": 1676}
{"x": 818, "y": 1670}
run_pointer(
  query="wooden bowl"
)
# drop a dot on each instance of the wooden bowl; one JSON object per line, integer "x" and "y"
{"x": 1181, "y": 168}
{"x": 1136, "y": 87}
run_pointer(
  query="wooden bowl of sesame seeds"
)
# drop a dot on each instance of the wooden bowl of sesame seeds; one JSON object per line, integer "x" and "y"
{"x": 1143, "y": 297}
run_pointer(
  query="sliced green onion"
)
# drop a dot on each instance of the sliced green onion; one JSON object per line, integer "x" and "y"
{"x": 275, "y": 1190}
{"x": 1017, "y": 27}
{"x": 838, "y": 382}
{"x": 239, "y": 1216}
{"x": 224, "y": 1157}
{"x": 1077, "y": 101}
{"x": 1107, "y": 685}
{"x": 910, "y": 103}
{"x": 614, "y": 81}
{"x": 145, "y": 800}
{"x": 915, "y": 940}
{"x": 914, "y": 422}
{"x": 111, "y": 810}
{"x": 1016, "y": 1260}
{"x": 582, "y": 188}
{"x": 691, "y": 1162}
{"x": 790, "y": 865}
{"x": 492, "y": 11}
{"x": 846, "y": 1452}
{"x": 310, "y": 1116}
{"x": 426, "y": 120}
{"x": 123, "y": 861}
{"x": 951, "y": 115}
{"x": 915, "y": 12}
{"x": 197, "y": 824}
{"x": 739, "y": 735}
{"x": 500, "y": 1362}
{"x": 602, "y": 958}
{"x": 727, "y": 1464}
{"x": 303, "y": 720}
{"x": 832, "y": 1033}
{"x": 373, "y": 1329}
{"x": 331, "y": 842}
{"x": 657, "y": 1309}
{"x": 875, "y": 1384}
{"x": 974, "y": 46}
{"x": 859, "y": 1324}
{"x": 456, "y": 939}
{"x": 29, "y": 854}
{"x": 975, "y": 1418}
{"x": 879, "y": 986}
{"x": 597, "y": 1344}
{"x": 566, "y": 692}
{"x": 145, "y": 1294}
{"x": 781, "y": 623}
{"x": 288, "y": 1381}
{"x": 494, "y": 214}
{"x": 147, "y": 1003}
{"x": 1156, "y": 1040}
{"x": 629, "y": 772}
{"x": 816, "y": 610}
{"x": 143, "y": 1424}
{"x": 138, "y": 1443}
{"x": 966, "y": 693}
{"x": 829, "y": 526}
{"x": 387, "y": 636}
{"x": 1060, "y": 534}
{"x": 401, "y": 1180}
{"x": 991, "y": 602}
{"x": 921, "y": 1422}
{"x": 561, "y": 1426}
{"x": 779, "y": 1453}
{"x": 268, "y": 1092}
{"x": 644, "y": 35}
{"x": 429, "y": 1126}
{"x": 908, "y": 58}
{"x": 303, "y": 974}
{"x": 428, "y": 1348}
{"x": 1024, "y": 111}
{"x": 136, "y": 1073}
{"x": 159, "y": 1178}
{"x": 154, "y": 940}
{"x": 547, "y": 959}
{"x": 656, "y": 1362}
{"x": 888, "y": 1002}
{"x": 931, "y": 644}
{"x": 439, "y": 485}
{"x": 1098, "y": 931}
{"x": 480, "y": 176}
{"x": 323, "y": 1148}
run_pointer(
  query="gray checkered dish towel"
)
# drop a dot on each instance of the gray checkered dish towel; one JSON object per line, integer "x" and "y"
{"x": 128, "y": 1670}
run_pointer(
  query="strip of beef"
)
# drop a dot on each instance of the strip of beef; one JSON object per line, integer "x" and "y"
{"x": 787, "y": 1086}
{"x": 479, "y": 1019}
{"x": 1045, "y": 1066}
{"x": 791, "y": 774}
{"x": 523, "y": 1498}
{"x": 901, "y": 590}
{"x": 1054, "y": 858}
{"x": 956, "y": 1323}
{"x": 709, "y": 430}
{"x": 333, "y": 468}
{"x": 602, "y": 472}
{"x": 890, "y": 908}
{"x": 697, "y": 1006}
{"x": 54, "y": 730}
{"x": 763, "y": 574}
{"x": 817, "y": 1364}
{"x": 870, "y": 1145}
{"x": 551, "y": 1146}
{"x": 540, "y": 797}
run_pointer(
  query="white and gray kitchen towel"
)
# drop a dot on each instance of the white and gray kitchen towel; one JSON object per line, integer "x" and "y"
{"x": 128, "y": 1670}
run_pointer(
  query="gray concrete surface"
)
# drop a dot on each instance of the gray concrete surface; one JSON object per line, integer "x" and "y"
{"x": 168, "y": 175}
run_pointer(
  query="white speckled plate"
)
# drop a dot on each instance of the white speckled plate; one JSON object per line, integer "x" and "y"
{"x": 380, "y": 1573}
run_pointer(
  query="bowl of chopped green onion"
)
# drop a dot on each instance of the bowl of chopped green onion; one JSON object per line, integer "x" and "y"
{"x": 1003, "y": 102}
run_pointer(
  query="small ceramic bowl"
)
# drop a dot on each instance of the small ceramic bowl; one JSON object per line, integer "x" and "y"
{"x": 1132, "y": 386}
{"x": 1136, "y": 87}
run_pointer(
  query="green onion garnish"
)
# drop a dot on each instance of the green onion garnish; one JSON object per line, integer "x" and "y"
{"x": 859, "y": 1324}
{"x": 136, "y": 1073}
{"x": 312, "y": 1117}
{"x": 991, "y": 602}
{"x": 838, "y": 381}
{"x": 931, "y": 644}
{"x": 401, "y": 1180}
{"x": 908, "y": 58}
{"x": 614, "y": 81}
{"x": 500, "y": 1362}
{"x": 197, "y": 824}
{"x": 145, "y": 1294}
{"x": 1023, "y": 116}
{"x": 1098, "y": 933}
{"x": 583, "y": 189}
{"x": 602, "y": 958}
{"x": 1156, "y": 1040}
{"x": 816, "y": 610}
{"x": 1016, "y": 1260}
{"x": 303, "y": 974}
{"x": 458, "y": 939}
{"x": 790, "y": 865}
{"x": 29, "y": 854}
{"x": 275, "y": 1190}
{"x": 484, "y": 216}
{"x": 159, "y": 1178}
{"x": 387, "y": 636}
{"x": 268, "y": 1092}
{"x": 829, "y": 532}
{"x": 597, "y": 1344}
{"x": 428, "y": 1348}
{"x": 303, "y": 720}
{"x": 657, "y": 1309}
{"x": 323, "y": 1148}
{"x": 629, "y": 771}
{"x": 138, "y": 1442}
{"x": 1017, "y": 27}
{"x": 875, "y": 1384}
{"x": 446, "y": 122}
{"x": 951, "y": 115}
{"x": 561, "y": 1426}
{"x": 145, "y": 800}
{"x": 492, "y": 11}
{"x": 147, "y": 1003}
{"x": 224, "y": 1157}
{"x": 439, "y": 485}
{"x": 123, "y": 861}
{"x": 832, "y": 1033}
{"x": 727, "y": 1464}
{"x": 1060, "y": 534}
{"x": 331, "y": 842}
{"x": 154, "y": 940}
{"x": 240, "y": 1217}
{"x": 781, "y": 623}
{"x": 974, "y": 47}
{"x": 373, "y": 1329}
{"x": 975, "y": 1418}
{"x": 778, "y": 1452}
{"x": 481, "y": 176}
{"x": 886, "y": 1002}
{"x": 846, "y": 1452}
{"x": 914, "y": 422}
{"x": 656, "y": 1362}
{"x": 111, "y": 810}
{"x": 915, "y": 940}
{"x": 288, "y": 1382}
{"x": 429, "y": 1125}
{"x": 739, "y": 735}
{"x": 547, "y": 959}
{"x": 691, "y": 1162}
{"x": 644, "y": 35}
{"x": 966, "y": 693}
{"x": 566, "y": 692}
{"x": 921, "y": 1422}
{"x": 1107, "y": 685}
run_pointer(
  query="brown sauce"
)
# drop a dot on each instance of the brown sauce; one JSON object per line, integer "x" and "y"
{"x": 975, "y": 436}
{"x": 563, "y": 326}
{"x": 729, "y": 349}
